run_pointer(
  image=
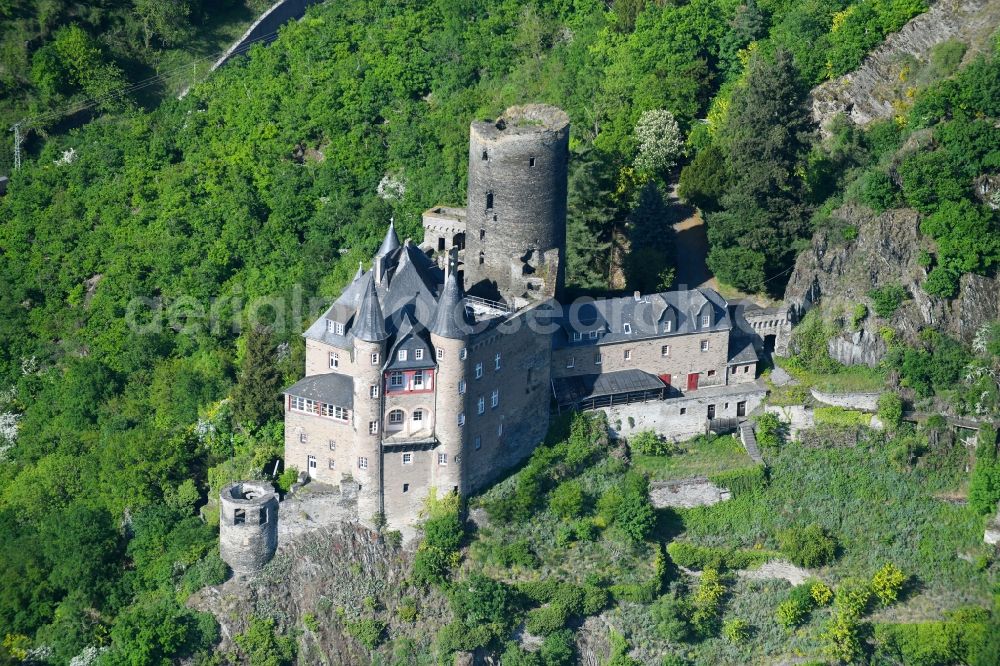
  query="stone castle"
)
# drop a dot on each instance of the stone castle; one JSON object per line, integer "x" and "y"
{"x": 439, "y": 366}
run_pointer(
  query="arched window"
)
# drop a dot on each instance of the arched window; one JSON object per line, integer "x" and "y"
{"x": 482, "y": 258}
{"x": 489, "y": 200}
{"x": 396, "y": 418}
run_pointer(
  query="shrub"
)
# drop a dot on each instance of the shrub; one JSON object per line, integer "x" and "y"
{"x": 648, "y": 443}
{"x": 286, "y": 479}
{"x": 627, "y": 506}
{"x": 838, "y": 416}
{"x": 852, "y": 596}
{"x": 430, "y": 565}
{"x": 768, "y": 430}
{"x": 736, "y": 630}
{"x": 886, "y": 301}
{"x": 263, "y": 645}
{"x": 887, "y": 582}
{"x": 984, "y": 483}
{"x": 821, "y": 594}
{"x": 794, "y": 610}
{"x": 890, "y": 409}
{"x": 858, "y": 315}
{"x": 566, "y": 500}
{"x": 516, "y": 553}
{"x": 706, "y": 602}
{"x": 810, "y": 546}
{"x": 558, "y": 649}
{"x": 671, "y": 615}
{"x": 691, "y": 556}
{"x": 585, "y": 530}
{"x": 878, "y": 192}
{"x": 841, "y": 641}
{"x": 547, "y": 619}
{"x": 743, "y": 481}
{"x": 310, "y": 622}
{"x": 368, "y": 632}
{"x": 407, "y": 609}
{"x": 393, "y": 538}
{"x": 594, "y": 600}
{"x": 444, "y": 532}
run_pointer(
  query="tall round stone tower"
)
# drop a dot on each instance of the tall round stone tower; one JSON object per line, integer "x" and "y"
{"x": 516, "y": 225}
{"x": 370, "y": 338}
{"x": 248, "y": 525}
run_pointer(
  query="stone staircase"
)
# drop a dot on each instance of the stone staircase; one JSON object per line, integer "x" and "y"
{"x": 749, "y": 439}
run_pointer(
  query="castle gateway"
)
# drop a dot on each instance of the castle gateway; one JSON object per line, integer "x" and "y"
{"x": 414, "y": 383}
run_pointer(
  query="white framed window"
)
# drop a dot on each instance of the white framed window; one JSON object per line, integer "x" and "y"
{"x": 478, "y": 442}
{"x": 312, "y": 462}
{"x": 461, "y": 419}
{"x": 495, "y": 398}
{"x": 440, "y": 353}
{"x": 418, "y": 380}
{"x": 334, "y": 360}
{"x": 334, "y": 412}
{"x": 396, "y": 416}
{"x": 571, "y": 362}
{"x": 333, "y": 444}
{"x": 334, "y": 327}
{"x": 407, "y": 458}
{"x": 628, "y": 354}
{"x": 373, "y": 427}
{"x": 704, "y": 345}
{"x": 577, "y": 336}
{"x": 627, "y": 328}
{"x": 464, "y": 354}
{"x": 373, "y": 390}
{"x": 375, "y": 358}
{"x": 362, "y": 462}
{"x": 479, "y": 370}
{"x": 496, "y": 361}
{"x": 500, "y": 429}
{"x": 481, "y": 405}
{"x": 442, "y": 459}
{"x": 418, "y": 415}
{"x": 668, "y": 326}
{"x": 418, "y": 354}
{"x": 706, "y": 321}
{"x": 665, "y": 351}
{"x": 598, "y": 359}
{"x": 303, "y": 438}
{"x": 396, "y": 379}
{"x": 303, "y": 405}
{"x": 332, "y": 464}
{"x": 461, "y": 386}
{"x": 593, "y": 334}
{"x": 401, "y": 355}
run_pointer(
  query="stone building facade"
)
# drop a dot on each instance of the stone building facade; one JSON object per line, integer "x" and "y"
{"x": 413, "y": 385}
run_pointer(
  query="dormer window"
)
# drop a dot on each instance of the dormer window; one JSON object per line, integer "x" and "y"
{"x": 706, "y": 321}
{"x": 668, "y": 327}
{"x": 418, "y": 354}
{"x": 334, "y": 327}
{"x": 593, "y": 335}
{"x": 628, "y": 329}
{"x": 577, "y": 336}
{"x": 401, "y": 355}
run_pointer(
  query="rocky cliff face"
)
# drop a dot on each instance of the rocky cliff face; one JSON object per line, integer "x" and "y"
{"x": 885, "y": 251}
{"x": 868, "y": 93}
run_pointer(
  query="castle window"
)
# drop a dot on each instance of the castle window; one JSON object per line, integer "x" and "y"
{"x": 593, "y": 335}
{"x": 311, "y": 464}
{"x": 627, "y": 328}
{"x": 665, "y": 351}
{"x": 442, "y": 459}
{"x": 571, "y": 362}
{"x": 333, "y": 411}
{"x": 482, "y": 234}
{"x": 458, "y": 459}
{"x": 531, "y": 161}
{"x": 628, "y": 354}
{"x": 482, "y": 258}
{"x": 711, "y": 373}
{"x": 597, "y": 358}
{"x": 440, "y": 354}
{"x": 334, "y": 327}
{"x": 486, "y": 156}
{"x": 489, "y": 200}
{"x": 461, "y": 386}
{"x": 706, "y": 321}
{"x": 668, "y": 327}
{"x": 481, "y": 405}
{"x": 463, "y": 354}
{"x": 362, "y": 463}
{"x": 479, "y": 442}
{"x": 495, "y": 398}
{"x": 396, "y": 379}
{"x": 461, "y": 419}
{"x": 704, "y": 345}
{"x": 334, "y": 360}
{"x": 746, "y": 369}
{"x": 302, "y": 405}
{"x": 262, "y": 516}
{"x": 239, "y": 517}
{"x": 418, "y": 415}
{"x": 496, "y": 361}
{"x": 479, "y": 370}
{"x": 303, "y": 438}
{"x": 401, "y": 355}
{"x": 500, "y": 429}
{"x": 418, "y": 380}
{"x": 418, "y": 354}
{"x": 375, "y": 358}
{"x": 333, "y": 444}
{"x": 332, "y": 463}
{"x": 373, "y": 427}
{"x": 406, "y": 487}
{"x": 684, "y": 410}
{"x": 396, "y": 417}
{"x": 373, "y": 390}
{"x": 577, "y": 336}
{"x": 407, "y": 458}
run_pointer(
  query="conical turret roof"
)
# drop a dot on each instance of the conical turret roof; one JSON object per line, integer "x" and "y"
{"x": 369, "y": 324}
{"x": 391, "y": 241}
{"x": 451, "y": 320}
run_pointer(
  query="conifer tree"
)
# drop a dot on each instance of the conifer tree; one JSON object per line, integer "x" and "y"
{"x": 255, "y": 398}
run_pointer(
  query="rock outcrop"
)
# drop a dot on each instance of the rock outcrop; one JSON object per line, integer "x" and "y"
{"x": 868, "y": 93}
{"x": 885, "y": 252}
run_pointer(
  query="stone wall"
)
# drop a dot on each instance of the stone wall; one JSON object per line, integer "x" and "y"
{"x": 331, "y": 442}
{"x": 248, "y": 525}
{"x": 867, "y": 402}
{"x": 683, "y": 418}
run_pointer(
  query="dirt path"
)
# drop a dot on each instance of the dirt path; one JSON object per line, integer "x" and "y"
{"x": 691, "y": 244}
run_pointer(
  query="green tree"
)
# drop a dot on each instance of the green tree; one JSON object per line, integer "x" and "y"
{"x": 166, "y": 20}
{"x": 984, "y": 483}
{"x": 591, "y": 218}
{"x": 255, "y": 399}
{"x": 703, "y": 181}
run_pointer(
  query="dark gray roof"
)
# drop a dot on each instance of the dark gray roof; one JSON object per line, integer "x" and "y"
{"x": 411, "y": 337}
{"x": 628, "y": 318}
{"x": 390, "y": 242}
{"x": 741, "y": 350}
{"x": 570, "y": 390}
{"x": 451, "y": 320}
{"x": 369, "y": 324}
{"x": 332, "y": 388}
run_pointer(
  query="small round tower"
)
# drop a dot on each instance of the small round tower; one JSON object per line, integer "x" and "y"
{"x": 248, "y": 525}
{"x": 516, "y": 212}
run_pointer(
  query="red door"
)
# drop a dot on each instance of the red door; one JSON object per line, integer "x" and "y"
{"x": 693, "y": 381}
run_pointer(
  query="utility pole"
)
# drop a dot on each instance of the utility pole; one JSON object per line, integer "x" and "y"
{"x": 18, "y": 139}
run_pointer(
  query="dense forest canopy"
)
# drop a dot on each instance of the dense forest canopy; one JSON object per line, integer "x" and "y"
{"x": 130, "y": 247}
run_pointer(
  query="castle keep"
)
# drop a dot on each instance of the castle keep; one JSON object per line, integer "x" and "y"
{"x": 439, "y": 365}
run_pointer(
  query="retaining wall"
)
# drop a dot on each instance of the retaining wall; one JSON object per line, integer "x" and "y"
{"x": 867, "y": 402}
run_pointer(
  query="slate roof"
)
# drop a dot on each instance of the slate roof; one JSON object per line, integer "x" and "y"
{"x": 741, "y": 350}
{"x": 369, "y": 324}
{"x": 452, "y": 319}
{"x": 569, "y": 390}
{"x": 411, "y": 337}
{"x": 332, "y": 388}
{"x": 645, "y": 317}
{"x": 390, "y": 243}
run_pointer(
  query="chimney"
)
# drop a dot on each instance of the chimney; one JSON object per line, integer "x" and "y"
{"x": 379, "y": 268}
{"x": 637, "y": 296}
